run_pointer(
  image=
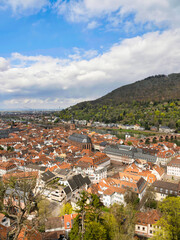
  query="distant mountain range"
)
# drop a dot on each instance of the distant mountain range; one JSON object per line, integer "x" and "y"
{"x": 123, "y": 104}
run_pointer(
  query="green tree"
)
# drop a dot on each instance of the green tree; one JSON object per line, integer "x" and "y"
{"x": 120, "y": 222}
{"x": 75, "y": 233}
{"x": 111, "y": 225}
{"x": 147, "y": 141}
{"x": 118, "y": 212}
{"x": 1, "y": 148}
{"x": 43, "y": 213}
{"x": 178, "y": 123}
{"x": 95, "y": 230}
{"x": 2, "y": 192}
{"x": 129, "y": 143}
{"x": 66, "y": 209}
{"x": 129, "y": 222}
{"x": 169, "y": 224}
{"x": 10, "y": 149}
{"x": 149, "y": 196}
{"x": 131, "y": 197}
{"x": 88, "y": 223}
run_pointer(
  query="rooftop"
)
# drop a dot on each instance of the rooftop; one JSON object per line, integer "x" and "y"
{"x": 80, "y": 138}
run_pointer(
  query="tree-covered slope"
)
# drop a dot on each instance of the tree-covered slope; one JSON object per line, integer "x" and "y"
{"x": 154, "y": 100}
{"x": 155, "y": 88}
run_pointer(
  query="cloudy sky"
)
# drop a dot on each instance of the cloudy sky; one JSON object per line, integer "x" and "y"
{"x": 55, "y": 53}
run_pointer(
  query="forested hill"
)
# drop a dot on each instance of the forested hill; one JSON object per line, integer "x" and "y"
{"x": 155, "y": 88}
{"x": 155, "y": 100}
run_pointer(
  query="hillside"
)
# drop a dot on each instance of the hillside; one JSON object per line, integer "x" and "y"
{"x": 154, "y": 100}
{"x": 155, "y": 88}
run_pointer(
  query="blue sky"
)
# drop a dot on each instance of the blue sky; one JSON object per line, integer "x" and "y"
{"x": 54, "y": 54}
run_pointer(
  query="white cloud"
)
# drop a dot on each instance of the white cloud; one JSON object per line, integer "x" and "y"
{"x": 74, "y": 11}
{"x": 158, "y": 12}
{"x": 24, "y": 6}
{"x": 4, "y": 64}
{"x": 92, "y": 25}
{"x": 79, "y": 54}
{"x": 41, "y": 103}
{"x": 41, "y": 77}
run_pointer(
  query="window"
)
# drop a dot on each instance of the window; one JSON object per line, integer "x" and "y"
{"x": 143, "y": 228}
{"x": 138, "y": 228}
{"x": 151, "y": 231}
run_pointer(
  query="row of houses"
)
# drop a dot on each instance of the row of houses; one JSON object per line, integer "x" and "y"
{"x": 127, "y": 154}
{"x": 67, "y": 158}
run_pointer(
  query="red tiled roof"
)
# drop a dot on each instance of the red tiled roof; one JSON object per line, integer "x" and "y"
{"x": 27, "y": 233}
{"x": 68, "y": 220}
{"x": 20, "y": 175}
{"x": 145, "y": 218}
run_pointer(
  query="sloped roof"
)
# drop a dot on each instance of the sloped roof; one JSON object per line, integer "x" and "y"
{"x": 150, "y": 217}
{"x": 29, "y": 234}
{"x": 72, "y": 184}
{"x": 52, "y": 235}
{"x": 67, "y": 190}
{"x": 131, "y": 152}
{"x": 175, "y": 162}
{"x": 78, "y": 181}
{"x": 166, "y": 185}
{"x": 87, "y": 180}
{"x": 46, "y": 176}
{"x": 80, "y": 138}
{"x": 54, "y": 223}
